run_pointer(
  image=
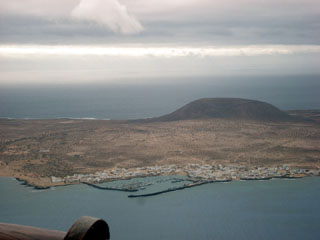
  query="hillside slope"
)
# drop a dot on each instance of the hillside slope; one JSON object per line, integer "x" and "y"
{"x": 228, "y": 108}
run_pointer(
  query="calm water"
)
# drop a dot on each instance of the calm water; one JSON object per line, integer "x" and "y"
{"x": 140, "y": 101}
{"x": 276, "y": 209}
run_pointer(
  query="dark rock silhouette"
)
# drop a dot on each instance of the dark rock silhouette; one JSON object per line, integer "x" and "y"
{"x": 226, "y": 108}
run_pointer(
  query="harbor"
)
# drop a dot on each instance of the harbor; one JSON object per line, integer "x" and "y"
{"x": 194, "y": 172}
{"x": 155, "y": 180}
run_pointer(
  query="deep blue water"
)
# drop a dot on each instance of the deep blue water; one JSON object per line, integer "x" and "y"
{"x": 264, "y": 210}
{"x": 130, "y": 101}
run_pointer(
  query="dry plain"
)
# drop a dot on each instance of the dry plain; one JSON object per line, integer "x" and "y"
{"x": 34, "y": 150}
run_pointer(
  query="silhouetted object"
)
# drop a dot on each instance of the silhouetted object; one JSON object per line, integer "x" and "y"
{"x": 84, "y": 228}
{"x": 226, "y": 108}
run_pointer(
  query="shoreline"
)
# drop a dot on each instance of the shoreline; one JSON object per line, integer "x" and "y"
{"x": 194, "y": 183}
{"x": 194, "y": 174}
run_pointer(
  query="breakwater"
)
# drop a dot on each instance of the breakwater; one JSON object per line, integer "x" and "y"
{"x": 255, "y": 178}
{"x": 194, "y": 183}
{"x": 110, "y": 188}
{"x": 172, "y": 189}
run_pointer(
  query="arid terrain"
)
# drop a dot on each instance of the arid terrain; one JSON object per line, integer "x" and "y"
{"x": 37, "y": 149}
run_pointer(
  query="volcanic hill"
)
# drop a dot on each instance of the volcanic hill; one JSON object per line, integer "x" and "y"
{"x": 226, "y": 108}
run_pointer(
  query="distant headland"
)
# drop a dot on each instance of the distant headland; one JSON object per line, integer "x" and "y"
{"x": 227, "y": 108}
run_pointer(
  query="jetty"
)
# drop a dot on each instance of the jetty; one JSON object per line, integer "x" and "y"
{"x": 171, "y": 189}
{"x": 111, "y": 188}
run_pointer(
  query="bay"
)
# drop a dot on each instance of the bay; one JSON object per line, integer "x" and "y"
{"x": 275, "y": 209}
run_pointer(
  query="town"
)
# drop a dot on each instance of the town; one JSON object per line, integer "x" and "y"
{"x": 195, "y": 172}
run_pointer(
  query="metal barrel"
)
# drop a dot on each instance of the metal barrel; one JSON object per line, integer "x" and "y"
{"x": 84, "y": 228}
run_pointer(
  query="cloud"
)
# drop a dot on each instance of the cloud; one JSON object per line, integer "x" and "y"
{"x": 107, "y": 12}
{"x": 191, "y": 22}
{"x": 39, "y": 8}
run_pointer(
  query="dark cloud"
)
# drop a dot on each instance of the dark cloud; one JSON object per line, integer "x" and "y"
{"x": 26, "y": 29}
{"x": 205, "y": 22}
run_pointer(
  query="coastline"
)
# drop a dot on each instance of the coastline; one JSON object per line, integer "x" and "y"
{"x": 172, "y": 189}
{"x": 218, "y": 175}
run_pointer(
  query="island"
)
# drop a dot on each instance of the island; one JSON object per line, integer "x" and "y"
{"x": 208, "y": 140}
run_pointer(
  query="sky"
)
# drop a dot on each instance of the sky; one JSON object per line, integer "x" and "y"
{"x": 120, "y": 41}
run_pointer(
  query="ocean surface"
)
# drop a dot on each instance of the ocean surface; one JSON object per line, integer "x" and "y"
{"x": 242, "y": 210}
{"x": 132, "y": 101}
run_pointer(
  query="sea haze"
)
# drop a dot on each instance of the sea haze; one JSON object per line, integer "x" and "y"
{"x": 131, "y": 101}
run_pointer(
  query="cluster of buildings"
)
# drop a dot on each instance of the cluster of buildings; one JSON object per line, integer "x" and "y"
{"x": 193, "y": 171}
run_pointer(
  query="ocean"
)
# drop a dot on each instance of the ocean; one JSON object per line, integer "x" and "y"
{"x": 241, "y": 210}
{"x": 133, "y": 101}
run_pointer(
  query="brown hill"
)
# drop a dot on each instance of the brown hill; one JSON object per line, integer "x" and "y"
{"x": 228, "y": 108}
